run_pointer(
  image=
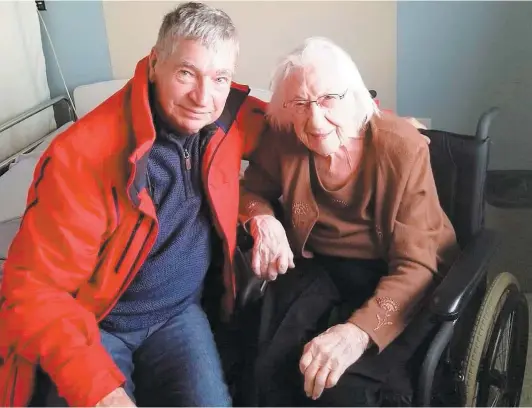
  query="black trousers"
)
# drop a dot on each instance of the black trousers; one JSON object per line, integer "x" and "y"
{"x": 314, "y": 296}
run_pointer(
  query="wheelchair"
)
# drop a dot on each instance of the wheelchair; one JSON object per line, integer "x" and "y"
{"x": 477, "y": 321}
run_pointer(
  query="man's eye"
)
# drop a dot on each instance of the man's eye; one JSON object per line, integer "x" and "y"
{"x": 300, "y": 103}
{"x": 185, "y": 73}
{"x": 222, "y": 80}
{"x": 329, "y": 97}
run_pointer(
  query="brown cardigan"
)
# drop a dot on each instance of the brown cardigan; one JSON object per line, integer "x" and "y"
{"x": 414, "y": 235}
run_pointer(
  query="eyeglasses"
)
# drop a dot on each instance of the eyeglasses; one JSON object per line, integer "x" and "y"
{"x": 327, "y": 101}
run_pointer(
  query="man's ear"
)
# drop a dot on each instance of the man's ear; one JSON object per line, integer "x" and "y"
{"x": 152, "y": 62}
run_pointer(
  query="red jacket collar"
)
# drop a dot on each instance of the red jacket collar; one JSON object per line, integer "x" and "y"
{"x": 141, "y": 114}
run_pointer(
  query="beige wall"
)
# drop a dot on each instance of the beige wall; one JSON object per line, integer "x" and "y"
{"x": 366, "y": 29}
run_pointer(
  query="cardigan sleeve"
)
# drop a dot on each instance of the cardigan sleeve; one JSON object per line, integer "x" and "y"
{"x": 261, "y": 183}
{"x": 412, "y": 257}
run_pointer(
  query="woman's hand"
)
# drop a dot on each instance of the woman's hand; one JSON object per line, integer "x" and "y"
{"x": 271, "y": 251}
{"x": 326, "y": 357}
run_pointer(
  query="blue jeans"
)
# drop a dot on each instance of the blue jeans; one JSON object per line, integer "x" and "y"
{"x": 174, "y": 363}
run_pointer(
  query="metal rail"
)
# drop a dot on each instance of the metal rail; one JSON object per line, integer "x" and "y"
{"x": 28, "y": 114}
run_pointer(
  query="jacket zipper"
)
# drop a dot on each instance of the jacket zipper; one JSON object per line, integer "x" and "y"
{"x": 187, "y": 174}
{"x": 188, "y": 163}
{"x": 129, "y": 242}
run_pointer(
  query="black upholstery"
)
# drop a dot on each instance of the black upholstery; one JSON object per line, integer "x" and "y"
{"x": 459, "y": 164}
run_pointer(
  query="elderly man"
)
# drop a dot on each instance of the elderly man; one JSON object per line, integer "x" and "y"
{"x": 105, "y": 276}
{"x": 362, "y": 228}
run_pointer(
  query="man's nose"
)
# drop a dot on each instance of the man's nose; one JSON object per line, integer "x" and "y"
{"x": 201, "y": 93}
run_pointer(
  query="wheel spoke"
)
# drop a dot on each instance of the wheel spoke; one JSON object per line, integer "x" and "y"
{"x": 496, "y": 356}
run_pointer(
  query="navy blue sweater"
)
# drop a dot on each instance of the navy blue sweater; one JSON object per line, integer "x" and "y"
{"x": 172, "y": 276}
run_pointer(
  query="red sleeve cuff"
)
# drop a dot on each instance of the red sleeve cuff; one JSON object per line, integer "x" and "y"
{"x": 88, "y": 377}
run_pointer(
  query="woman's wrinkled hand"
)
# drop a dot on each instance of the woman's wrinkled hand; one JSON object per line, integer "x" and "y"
{"x": 326, "y": 357}
{"x": 271, "y": 253}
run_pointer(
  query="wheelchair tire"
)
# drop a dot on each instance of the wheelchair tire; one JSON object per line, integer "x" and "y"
{"x": 504, "y": 303}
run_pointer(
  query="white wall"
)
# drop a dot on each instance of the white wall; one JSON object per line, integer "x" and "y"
{"x": 268, "y": 29}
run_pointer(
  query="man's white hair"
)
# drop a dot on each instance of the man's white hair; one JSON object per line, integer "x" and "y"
{"x": 317, "y": 51}
{"x": 195, "y": 21}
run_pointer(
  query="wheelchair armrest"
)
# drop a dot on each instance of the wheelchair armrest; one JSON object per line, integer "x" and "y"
{"x": 458, "y": 286}
{"x": 244, "y": 240}
{"x": 248, "y": 285}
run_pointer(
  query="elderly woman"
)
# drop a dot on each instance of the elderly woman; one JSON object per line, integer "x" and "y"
{"x": 359, "y": 205}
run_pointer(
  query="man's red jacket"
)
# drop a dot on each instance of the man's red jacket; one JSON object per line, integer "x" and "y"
{"x": 87, "y": 229}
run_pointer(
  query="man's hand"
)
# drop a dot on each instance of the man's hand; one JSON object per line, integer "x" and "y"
{"x": 116, "y": 398}
{"x": 271, "y": 251}
{"x": 326, "y": 357}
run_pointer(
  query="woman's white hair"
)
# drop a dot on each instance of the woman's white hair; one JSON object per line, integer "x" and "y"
{"x": 317, "y": 51}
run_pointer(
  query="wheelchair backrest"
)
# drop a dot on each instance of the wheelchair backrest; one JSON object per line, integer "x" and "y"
{"x": 460, "y": 164}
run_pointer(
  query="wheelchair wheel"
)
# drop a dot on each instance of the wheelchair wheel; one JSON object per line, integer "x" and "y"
{"x": 496, "y": 357}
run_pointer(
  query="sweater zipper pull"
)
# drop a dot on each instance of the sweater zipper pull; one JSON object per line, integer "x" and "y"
{"x": 188, "y": 163}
